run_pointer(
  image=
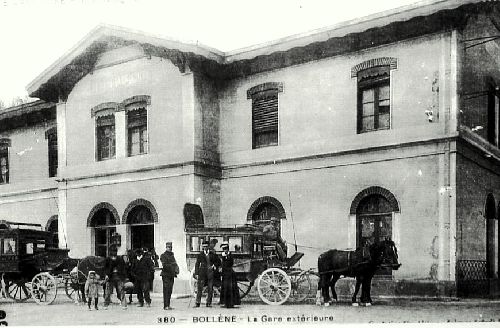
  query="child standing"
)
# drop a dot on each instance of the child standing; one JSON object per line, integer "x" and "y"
{"x": 92, "y": 289}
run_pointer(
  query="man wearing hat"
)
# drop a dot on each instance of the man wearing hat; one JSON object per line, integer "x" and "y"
{"x": 169, "y": 271}
{"x": 115, "y": 270}
{"x": 141, "y": 271}
{"x": 207, "y": 263}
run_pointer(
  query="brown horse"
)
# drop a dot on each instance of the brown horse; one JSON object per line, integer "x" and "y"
{"x": 360, "y": 264}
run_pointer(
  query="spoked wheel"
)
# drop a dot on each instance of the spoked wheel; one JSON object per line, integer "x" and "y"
{"x": 72, "y": 287}
{"x": 301, "y": 286}
{"x": 244, "y": 287}
{"x": 274, "y": 286}
{"x": 44, "y": 288}
{"x": 193, "y": 284}
{"x": 18, "y": 289}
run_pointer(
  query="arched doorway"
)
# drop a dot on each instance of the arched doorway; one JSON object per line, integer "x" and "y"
{"x": 491, "y": 256}
{"x": 52, "y": 226}
{"x": 374, "y": 209}
{"x": 263, "y": 210}
{"x": 140, "y": 217}
{"x": 103, "y": 224}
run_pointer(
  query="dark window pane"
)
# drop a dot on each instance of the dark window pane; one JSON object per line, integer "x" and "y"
{"x": 265, "y": 118}
{"x": 137, "y": 132}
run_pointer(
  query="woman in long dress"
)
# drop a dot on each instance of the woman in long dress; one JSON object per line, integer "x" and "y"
{"x": 230, "y": 295}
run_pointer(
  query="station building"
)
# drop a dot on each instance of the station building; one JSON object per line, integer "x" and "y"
{"x": 383, "y": 127}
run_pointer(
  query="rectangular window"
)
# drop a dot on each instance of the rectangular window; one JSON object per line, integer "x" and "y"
{"x": 4, "y": 163}
{"x": 137, "y": 132}
{"x": 374, "y": 111}
{"x": 265, "y": 118}
{"x": 493, "y": 118}
{"x": 105, "y": 134}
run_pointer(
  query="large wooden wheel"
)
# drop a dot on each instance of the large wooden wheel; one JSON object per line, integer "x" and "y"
{"x": 44, "y": 288}
{"x": 301, "y": 285}
{"x": 274, "y": 286}
{"x": 18, "y": 289}
{"x": 193, "y": 284}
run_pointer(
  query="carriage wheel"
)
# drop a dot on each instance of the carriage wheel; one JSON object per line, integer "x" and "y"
{"x": 244, "y": 287}
{"x": 44, "y": 288}
{"x": 19, "y": 290}
{"x": 72, "y": 287}
{"x": 301, "y": 286}
{"x": 193, "y": 284}
{"x": 274, "y": 286}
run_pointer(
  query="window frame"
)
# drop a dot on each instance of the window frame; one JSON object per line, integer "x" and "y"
{"x": 373, "y": 83}
{"x": 256, "y": 94}
{"x": 52, "y": 152}
{"x": 144, "y": 128}
{"x": 100, "y": 127}
{"x": 5, "y": 153}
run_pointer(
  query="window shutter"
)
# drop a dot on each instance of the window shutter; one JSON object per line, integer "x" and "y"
{"x": 265, "y": 111}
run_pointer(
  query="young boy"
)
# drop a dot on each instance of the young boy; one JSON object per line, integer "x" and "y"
{"x": 92, "y": 289}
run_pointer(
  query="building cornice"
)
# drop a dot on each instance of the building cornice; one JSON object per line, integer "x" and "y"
{"x": 56, "y": 82}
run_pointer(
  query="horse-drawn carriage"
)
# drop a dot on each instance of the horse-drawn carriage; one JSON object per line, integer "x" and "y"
{"x": 31, "y": 264}
{"x": 256, "y": 260}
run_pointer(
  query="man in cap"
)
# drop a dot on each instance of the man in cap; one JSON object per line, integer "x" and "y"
{"x": 169, "y": 271}
{"x": 207, "y": 263}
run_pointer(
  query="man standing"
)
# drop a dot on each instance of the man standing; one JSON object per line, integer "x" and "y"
{"x": 206, "y": 265}
{"x": 141, "y": 271}
{"x": 115, "y": 270}
{"x": 169, "y": 271}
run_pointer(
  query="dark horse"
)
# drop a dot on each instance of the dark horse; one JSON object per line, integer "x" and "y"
{"x": 361, "y": 264}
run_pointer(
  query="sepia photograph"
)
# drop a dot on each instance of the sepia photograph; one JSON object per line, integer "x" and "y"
{"x": 249, "y": 162}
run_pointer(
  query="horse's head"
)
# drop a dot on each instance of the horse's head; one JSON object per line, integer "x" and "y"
{"x": 385, "y": 254}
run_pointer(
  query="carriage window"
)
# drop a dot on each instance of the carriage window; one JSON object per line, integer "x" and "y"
{"x": 40, "y": 245}
{"x": 9, "y": 246}
{"x": 195, "y": 244}
{"x": 235, "y": 244}
{"x": 215, "y": 242}
{"x": 29, "y": 248}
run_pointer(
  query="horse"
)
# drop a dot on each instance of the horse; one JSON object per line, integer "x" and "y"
{"x": 360, "y": 264}
{"x": 80, "y": 272}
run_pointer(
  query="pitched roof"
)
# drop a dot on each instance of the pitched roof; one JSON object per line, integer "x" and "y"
{"x": 402, "y": 23}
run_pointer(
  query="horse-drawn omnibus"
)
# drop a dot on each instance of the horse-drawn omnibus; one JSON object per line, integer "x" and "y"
{"x": 31, "y": 264}
{"x": 256, "y": 259}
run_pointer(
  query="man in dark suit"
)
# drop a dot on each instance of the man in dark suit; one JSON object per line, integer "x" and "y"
{"x": 115, "y": 270}
{"x": 207, "y": 264}
{"x": 141, "y": 271}
{"x": 169, "y": 271}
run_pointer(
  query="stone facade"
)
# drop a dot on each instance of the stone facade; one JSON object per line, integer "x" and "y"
{"x": 433, "y": 166}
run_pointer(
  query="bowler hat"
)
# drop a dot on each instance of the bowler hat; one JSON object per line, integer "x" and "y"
{"x": 224, "y": 245}
{"x": 205, "y": 243}
{"x": 168, "y": 244}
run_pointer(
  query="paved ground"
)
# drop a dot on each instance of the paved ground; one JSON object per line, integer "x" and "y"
{"x": 64, "y": 312}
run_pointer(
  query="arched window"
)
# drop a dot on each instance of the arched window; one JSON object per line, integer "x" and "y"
{"x": 103, "y": 224}
{"x": 374, "y": 209}
{"x": 52, "y": 226}
{"x": 140, "y": 216}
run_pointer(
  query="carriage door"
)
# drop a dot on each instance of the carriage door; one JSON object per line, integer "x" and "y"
{"x": 103, "y": 225}
{"x": 141, "y": 227}
{"x": 374, "y": 223}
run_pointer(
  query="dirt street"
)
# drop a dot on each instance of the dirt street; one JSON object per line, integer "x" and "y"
{"x": 64, "y": 312}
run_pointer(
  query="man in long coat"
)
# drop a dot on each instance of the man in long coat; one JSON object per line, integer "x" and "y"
{"x": 207, "y": 264}
{"x": 169, "y": 271}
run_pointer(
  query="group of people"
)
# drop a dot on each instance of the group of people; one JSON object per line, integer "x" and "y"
{"x": 208, "y": 265}
{"x": 124, "y": 275}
